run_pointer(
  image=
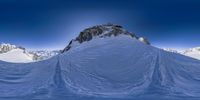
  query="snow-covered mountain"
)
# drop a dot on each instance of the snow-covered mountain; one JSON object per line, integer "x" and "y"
{"x": 109, "y": 68}
{"x": 13, "y": 53}
{"x": 43, "y": 54}
{"x": 102, "y": 31}
{"x": 171, "y": 50}
{"x": 17, "y": 54}
{"x": 5, "y": 47}
{"x": 191, "y": 52}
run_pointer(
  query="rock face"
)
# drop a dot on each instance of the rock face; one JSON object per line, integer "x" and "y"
{"x": 102, "y": 31}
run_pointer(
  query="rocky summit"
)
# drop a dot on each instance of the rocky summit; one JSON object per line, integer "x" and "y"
{"x": 103, "y": 31}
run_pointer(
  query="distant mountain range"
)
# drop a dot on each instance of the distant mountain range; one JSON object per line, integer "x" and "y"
{"x": 17, "y": 54}
{"x": 13, "y": 53}
{"x": 191, "y": 52}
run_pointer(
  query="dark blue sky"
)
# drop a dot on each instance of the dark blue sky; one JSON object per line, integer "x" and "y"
{"x": 50, "y": 24}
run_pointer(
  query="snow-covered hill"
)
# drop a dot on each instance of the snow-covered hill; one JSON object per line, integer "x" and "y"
{"x": 109, "y": 68}
{"x": 17, "y": 54}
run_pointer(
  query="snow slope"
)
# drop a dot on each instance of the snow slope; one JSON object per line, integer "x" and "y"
{"x": 16, "y": 55}
{"x": 110, "y": 68}
{"x": 122, "y": 66}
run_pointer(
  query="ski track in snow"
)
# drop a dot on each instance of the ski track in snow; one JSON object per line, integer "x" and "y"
{"x": 117, "y": 68}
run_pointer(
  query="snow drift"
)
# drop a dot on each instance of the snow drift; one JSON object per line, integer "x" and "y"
{"x": 118, "y": 67}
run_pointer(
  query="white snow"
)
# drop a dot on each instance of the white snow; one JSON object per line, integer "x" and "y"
{"x": 191, "y": 52}
{"x": 16, "y": 56}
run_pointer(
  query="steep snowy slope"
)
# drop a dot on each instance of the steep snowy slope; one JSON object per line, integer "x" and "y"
{"x": 16, "y": 55}
{"x": 112, "y": 66}
{"x": 117, "y": 67}
{"x": 122, "y": 66}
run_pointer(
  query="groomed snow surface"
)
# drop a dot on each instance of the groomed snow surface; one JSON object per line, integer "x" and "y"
{"x": 113, "y": 68}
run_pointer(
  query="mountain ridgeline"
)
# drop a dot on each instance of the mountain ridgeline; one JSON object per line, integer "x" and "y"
{"x": 102, "y": 31}
{"x": 19, "y": 54}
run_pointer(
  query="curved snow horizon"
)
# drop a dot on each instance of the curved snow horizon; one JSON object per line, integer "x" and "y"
{"x": 118, "y": 67}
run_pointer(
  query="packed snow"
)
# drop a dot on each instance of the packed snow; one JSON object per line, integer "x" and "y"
{"x": 106, "y": 68}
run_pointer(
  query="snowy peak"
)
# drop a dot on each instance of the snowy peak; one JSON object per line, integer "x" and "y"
{"x": 5, "y": 47}
{"x": 18, "y": 54}
{"x": 196, "y": 49}
{"x": 13, "y": 53}
{"x": 171, "y": 50}
{"x": 103, "y": 31}
{"x": 191, "y": 52}
{"x": 43, "y": 54}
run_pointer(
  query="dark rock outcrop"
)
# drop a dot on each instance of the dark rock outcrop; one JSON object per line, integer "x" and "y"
{"x": 100, "y": 31}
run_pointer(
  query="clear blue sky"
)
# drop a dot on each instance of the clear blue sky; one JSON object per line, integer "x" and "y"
{"x": 50, "y": 24}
